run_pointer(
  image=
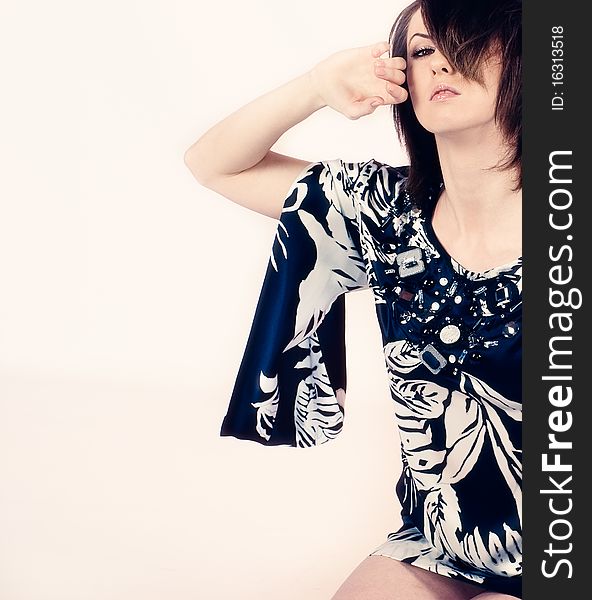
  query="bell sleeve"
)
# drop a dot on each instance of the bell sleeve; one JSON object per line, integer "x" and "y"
{"x": 291, "y": 383}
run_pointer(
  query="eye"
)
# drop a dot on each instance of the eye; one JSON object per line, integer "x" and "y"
{"x": 419, "y": 52}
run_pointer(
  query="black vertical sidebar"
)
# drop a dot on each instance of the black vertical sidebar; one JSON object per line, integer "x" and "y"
{"x": 557, "y": 358}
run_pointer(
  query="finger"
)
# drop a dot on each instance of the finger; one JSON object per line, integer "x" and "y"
{"x": 395, "y": 62}
{"x": 397, "y": 94}
{"x": 393, "y": 75}
{"x": 380, "y": 48}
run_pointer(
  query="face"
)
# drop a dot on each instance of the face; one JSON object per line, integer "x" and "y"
{"x": 471, "y": 107}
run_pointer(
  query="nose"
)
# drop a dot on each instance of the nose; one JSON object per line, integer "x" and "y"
{"x": 439, "y": 64}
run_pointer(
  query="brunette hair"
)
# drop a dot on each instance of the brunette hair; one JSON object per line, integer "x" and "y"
{"x": 467, "y": 32}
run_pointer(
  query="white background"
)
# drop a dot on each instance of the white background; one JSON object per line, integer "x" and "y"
{"x": 127, "y": 292}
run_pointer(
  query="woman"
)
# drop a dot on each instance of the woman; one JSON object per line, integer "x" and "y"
{"x": 439, "y": 244}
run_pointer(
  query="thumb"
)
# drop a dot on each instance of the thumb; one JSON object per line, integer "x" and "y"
{"x": 365, "y": 107}
{"x": 373, "y": 103}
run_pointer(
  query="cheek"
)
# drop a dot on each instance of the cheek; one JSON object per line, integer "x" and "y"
{"x": 490, "y": 103}
{"x": 418, "y": 91}
{"x": 412, "y": 82}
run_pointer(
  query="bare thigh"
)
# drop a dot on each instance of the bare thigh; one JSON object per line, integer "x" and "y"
{"x": 383, "y": 578}
{"x": 494, "y": 596}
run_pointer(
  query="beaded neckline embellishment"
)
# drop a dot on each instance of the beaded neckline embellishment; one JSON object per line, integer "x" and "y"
{"x": 451, "y": 315}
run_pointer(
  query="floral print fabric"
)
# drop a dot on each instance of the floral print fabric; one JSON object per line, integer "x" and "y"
{"x": 452, "y": 348}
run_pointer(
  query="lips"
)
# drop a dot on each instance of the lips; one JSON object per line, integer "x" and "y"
{"x": 443, "y": 91}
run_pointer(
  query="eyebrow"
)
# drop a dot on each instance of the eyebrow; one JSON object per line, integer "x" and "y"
{"x": 423, "y": 35}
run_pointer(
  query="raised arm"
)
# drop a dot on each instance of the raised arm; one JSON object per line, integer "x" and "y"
{"x": 234, "y": 157}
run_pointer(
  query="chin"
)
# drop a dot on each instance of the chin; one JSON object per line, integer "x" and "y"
{"x": 441, "y": 128}
{"x": 451, "y": 124}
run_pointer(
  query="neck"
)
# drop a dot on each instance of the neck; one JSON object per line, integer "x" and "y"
{"x": 477, "y": 202}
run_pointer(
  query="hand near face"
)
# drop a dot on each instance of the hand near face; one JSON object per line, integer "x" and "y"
{"x": 351, "y": 83}
{"x": 391, "y": 71}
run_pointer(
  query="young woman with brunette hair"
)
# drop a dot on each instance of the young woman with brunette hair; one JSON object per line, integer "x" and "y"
{"x": 438, "y": 242}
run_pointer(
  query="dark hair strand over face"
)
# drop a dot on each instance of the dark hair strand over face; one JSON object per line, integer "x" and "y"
{"x": 467, "y": 33}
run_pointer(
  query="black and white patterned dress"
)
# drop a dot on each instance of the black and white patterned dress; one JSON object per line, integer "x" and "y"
{"x": 452, "y": 346}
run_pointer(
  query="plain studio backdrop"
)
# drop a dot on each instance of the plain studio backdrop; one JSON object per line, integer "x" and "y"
{"x": 127, "y": 295}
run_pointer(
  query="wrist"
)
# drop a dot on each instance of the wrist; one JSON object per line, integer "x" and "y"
{"x": 317, "y": 99}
